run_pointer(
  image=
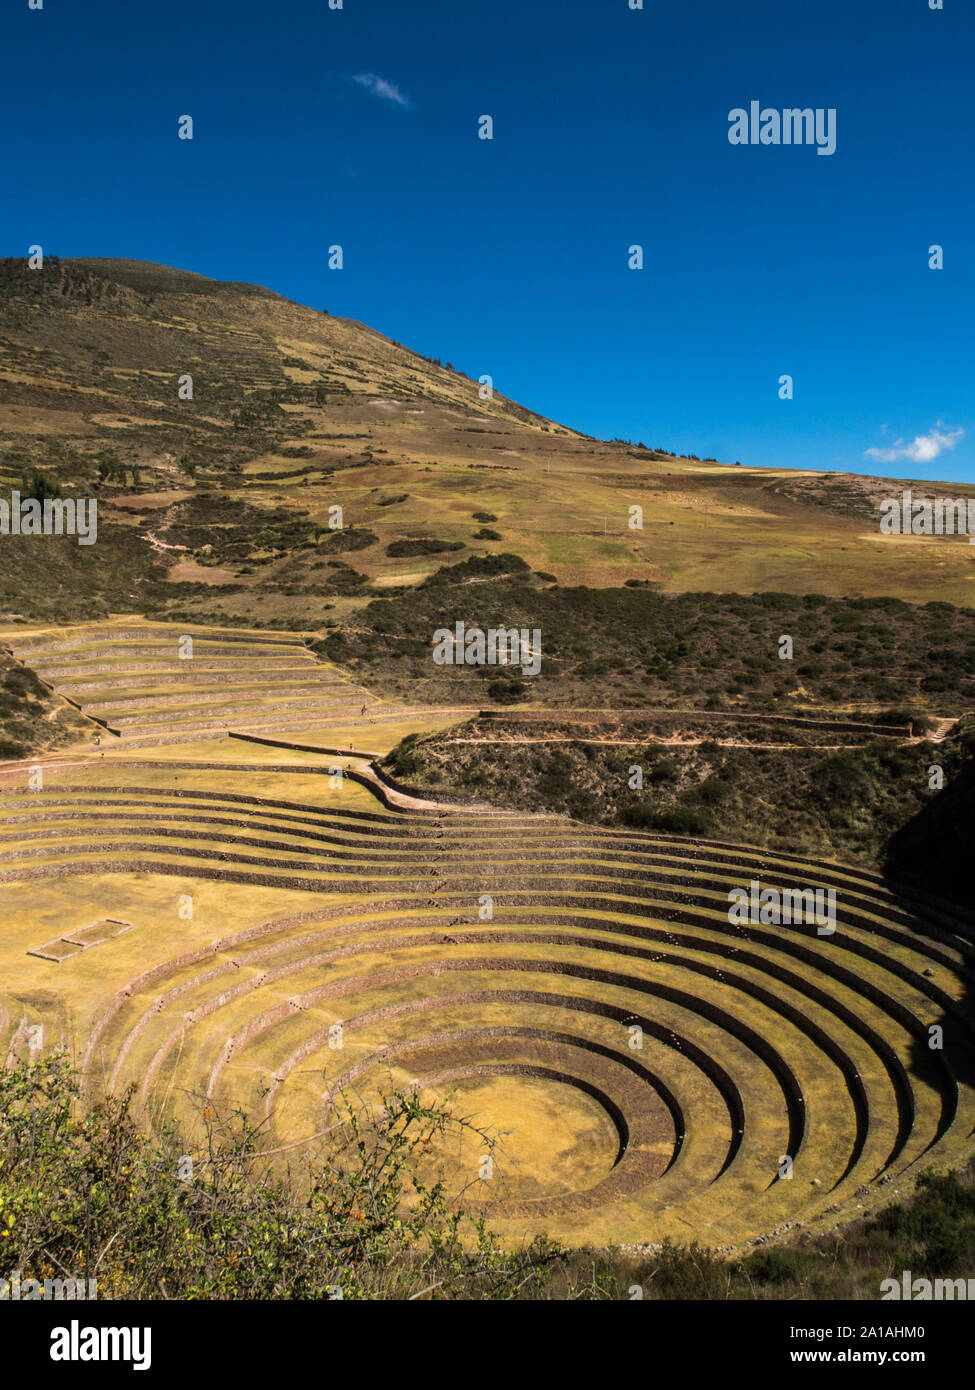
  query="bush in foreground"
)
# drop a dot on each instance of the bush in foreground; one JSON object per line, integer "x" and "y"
{"x": 84, "y": 1192}
{"x": 88, "y": 1192}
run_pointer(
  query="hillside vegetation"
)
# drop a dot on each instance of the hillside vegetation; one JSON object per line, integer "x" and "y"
{"x": 633, "y": 648}
{"x": 32, "y": 720}
{"x": 144, "y": 386}
{"x": 859, "y": 804}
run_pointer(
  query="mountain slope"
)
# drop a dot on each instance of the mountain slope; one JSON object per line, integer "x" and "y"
{"x": 295, "y": 413}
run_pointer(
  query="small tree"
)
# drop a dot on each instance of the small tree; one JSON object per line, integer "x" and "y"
{"x": 38, "y": 485}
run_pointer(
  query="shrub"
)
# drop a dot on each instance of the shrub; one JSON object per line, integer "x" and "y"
{"x": 349, "y": 538}
{"x": 421, "y": 545}
{"x": 681, "y": 820}
{"x": 507, "y": 692}
{"x": 91, "y": 1193}
{"x": 478, "y": 566}
{"x": 711, "y": 793}
{"x": 665, "y": 770}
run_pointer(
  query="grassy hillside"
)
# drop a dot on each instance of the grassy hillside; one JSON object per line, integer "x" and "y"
{"x": 294, "y": 408}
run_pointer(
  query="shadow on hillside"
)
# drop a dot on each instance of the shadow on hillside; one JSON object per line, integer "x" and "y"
{"x": 934, "y": 852}
{"x": 932, "y": 857}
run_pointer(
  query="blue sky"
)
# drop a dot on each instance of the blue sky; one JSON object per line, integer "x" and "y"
{"x": 509, "y": 256}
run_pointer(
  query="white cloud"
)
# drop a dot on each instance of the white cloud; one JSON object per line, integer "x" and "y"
{"x": 379, "y": 87}
{"x": 923, "y": 448}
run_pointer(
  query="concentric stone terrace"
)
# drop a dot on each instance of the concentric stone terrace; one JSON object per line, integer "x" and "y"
{"x": 161, "y": 684}
{"x": 646, "y": 1065}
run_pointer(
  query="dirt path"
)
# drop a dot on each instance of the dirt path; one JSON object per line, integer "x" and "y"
{"x": 157, "y": 544}
{"x": 674, "y": 742}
